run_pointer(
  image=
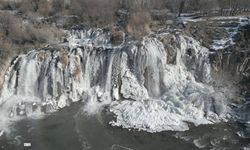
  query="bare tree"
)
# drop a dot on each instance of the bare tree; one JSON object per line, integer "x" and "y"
{"x": 181, "y": 7}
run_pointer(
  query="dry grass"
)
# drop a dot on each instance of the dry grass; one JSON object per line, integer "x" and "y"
{"x": 21, "y": 33}
{"x": 95, "y": 12}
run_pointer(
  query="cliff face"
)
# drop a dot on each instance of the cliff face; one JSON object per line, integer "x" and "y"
{"x": 227, "y": 39}
{"x": 229, "y": 56}
{"x": 4, "y": 65}
{"x": 234, "y": 60}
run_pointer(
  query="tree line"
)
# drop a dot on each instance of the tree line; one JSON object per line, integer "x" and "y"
{"x": 96, "y": 10}
{"x": 135, "y": 16}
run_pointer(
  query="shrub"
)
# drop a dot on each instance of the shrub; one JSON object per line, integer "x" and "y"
{"x": 139, "y": 24}
{"x": 7, "y": 5}
{"x": 117, "y": 37}
{"x": 95, "y": 12}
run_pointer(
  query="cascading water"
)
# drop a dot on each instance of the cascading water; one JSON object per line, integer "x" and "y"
{"x": 135, "y": 79}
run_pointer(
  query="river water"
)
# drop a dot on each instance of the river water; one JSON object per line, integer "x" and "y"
{"x": 71, "y": 129}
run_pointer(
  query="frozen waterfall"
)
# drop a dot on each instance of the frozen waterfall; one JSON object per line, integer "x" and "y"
{"x": 135, "y": 79}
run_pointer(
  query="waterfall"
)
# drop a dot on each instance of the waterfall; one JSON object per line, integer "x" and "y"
{"x": 134, "y": 79}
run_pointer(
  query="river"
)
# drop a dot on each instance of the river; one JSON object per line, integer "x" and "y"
{"x": 71, "y": 129}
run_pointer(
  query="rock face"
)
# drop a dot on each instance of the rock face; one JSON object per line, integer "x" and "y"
{"x": 242, "y": 38}
{"x": 234, "y": 60}
{"x": 230, "y": 59}
{"x": 156, "y": 84}
{"x": 4, "y": 64}
{"x": 235, "y": 64}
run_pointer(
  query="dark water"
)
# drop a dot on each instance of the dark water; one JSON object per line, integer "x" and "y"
{"x": 70, "y": 129}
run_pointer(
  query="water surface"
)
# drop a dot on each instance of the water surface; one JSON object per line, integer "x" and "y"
{"x": 71, "y": 129}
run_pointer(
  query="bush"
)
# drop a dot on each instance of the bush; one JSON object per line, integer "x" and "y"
{"x": 117, "y": 37}
{"x": 7, "y": 5}
{"x": 139, "y": 24}
{"x": 95, "y": 12}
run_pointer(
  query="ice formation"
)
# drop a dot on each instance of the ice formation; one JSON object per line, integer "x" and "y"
{"x": 232, "y": 30}
{"x": 135, "y": 79}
